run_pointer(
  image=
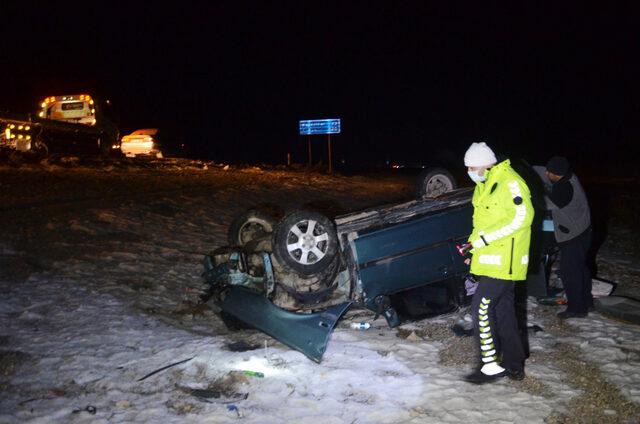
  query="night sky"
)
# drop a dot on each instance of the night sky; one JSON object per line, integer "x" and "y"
{"x": 410, "y": 80}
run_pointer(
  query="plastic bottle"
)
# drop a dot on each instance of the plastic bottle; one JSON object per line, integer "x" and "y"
{"x": 360, "y": 325}
{"x": 253, "y": 373}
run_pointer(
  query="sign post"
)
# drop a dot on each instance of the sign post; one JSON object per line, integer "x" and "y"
{"x": 320, "y": 126}
{"x": 330, "y": 161}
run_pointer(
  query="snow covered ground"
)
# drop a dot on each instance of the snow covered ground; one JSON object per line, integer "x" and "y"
{"x": 99, "y": 288}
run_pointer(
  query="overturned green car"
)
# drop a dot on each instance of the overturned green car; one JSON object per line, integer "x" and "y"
{"x": 293, "y": 279}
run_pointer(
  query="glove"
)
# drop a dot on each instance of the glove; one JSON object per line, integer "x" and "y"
{"x": 463, "y": 249}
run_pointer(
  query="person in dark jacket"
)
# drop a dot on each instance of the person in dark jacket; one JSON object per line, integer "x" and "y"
{"x": 569, "y": 207}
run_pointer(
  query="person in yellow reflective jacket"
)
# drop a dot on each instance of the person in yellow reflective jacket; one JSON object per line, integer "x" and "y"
{"x": 500, "y": 256}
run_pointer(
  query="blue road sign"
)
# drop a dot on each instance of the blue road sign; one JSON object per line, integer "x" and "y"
{"x": 320, "y": 126}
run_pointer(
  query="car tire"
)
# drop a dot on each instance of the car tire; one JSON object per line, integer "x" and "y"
{"x": 305, "y": 242}
{"x": 433, "y": 182}
{"x": 106, "y": 140}
{"x": 294, "y": 290}
{"x": 249, "y": 226}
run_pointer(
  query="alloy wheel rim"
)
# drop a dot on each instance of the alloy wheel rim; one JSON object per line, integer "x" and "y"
{"x": 307, "y": 242}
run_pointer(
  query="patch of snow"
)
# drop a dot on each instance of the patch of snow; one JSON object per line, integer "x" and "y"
{"x": 614, "y": 347}
{"x": 93, "y": 349}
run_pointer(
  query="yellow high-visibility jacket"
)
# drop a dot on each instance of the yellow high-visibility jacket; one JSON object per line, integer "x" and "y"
{"x": 502, "y": 219}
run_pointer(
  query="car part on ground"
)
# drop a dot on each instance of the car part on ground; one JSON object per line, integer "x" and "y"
{"x": 308, "y": 333}
{"x": 434, "y": 182}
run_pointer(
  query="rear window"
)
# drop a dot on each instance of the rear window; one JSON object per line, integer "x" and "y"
{"x": 73, "y": 106}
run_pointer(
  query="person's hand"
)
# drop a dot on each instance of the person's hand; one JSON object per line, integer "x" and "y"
{"x": 467, "y": 261}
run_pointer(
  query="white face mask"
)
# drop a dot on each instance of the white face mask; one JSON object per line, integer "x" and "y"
{"x": 476, "y": 178}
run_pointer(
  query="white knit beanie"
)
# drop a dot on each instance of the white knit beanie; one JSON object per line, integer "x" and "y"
{"x": 479, "y": 154}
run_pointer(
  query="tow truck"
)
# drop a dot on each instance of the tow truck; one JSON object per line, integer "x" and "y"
{"x": 63, "y": 124}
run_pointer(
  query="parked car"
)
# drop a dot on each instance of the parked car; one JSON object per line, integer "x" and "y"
{"x": 295, "y": 277}
{"x": 141, "y": 143}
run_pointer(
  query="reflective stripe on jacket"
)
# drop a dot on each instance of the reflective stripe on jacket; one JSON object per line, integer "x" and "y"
{"x": 502, "y": 219}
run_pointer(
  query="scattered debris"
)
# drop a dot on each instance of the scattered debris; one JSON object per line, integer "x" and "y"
{"x": 182, "y": 408}
{"x": 89, "y": 408}
{"x": 534, "y": 329}
{"x": 123, "y": 404}
{"x": 253, "y": 373}
{"x": 24, "y": 402}
{"x": 417, "y": 412}
{"x": 165, "y": 367}
{"x": 413, "y": 337}
{"x": 462, "y": 329}
{"x": 360, "y": 325}
{"x": 235, "y": 408}
{"x": 206, "y": 394}
{"x": 224, "y": 389}
{"x": 241, "y": 346}
{"x": 552, "y": 301}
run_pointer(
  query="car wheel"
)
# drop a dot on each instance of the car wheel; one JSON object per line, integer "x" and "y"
{"x": 106, "y": 140}
{"x": 435, "y": 181}
{"x": 294, "y": 290}
{"x": 249, "y": 226}
{"x": 305, "y": 242}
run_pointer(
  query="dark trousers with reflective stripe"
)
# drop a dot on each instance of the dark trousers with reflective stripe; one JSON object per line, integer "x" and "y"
{"x": 496, "y": 327}
{"x": 575, "y": 274}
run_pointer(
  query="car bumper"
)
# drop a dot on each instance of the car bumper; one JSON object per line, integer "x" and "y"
{"x": 307, "y": 333}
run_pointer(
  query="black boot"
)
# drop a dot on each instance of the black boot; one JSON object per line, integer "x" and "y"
{"x": 567, "y": 314}
{"x": 517, "y": 375}
{"x": 478, "y": 377}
